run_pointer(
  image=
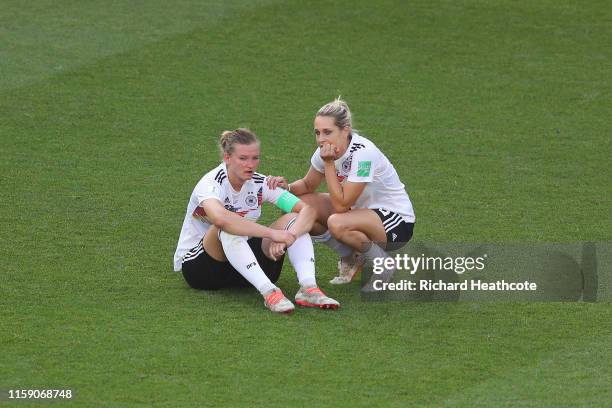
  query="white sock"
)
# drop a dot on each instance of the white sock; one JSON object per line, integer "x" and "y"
{"x": 338, "y": 247}
{"x": 377, "y": 252}
{"x": 374, "y": 252}
{"x": 239, "y": 254}
{"x": 301, "y": 255}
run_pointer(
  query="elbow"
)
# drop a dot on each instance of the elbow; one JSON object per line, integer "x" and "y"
{"x": 340, "y": 208}
{"x": 220, "y": 222}
{"x": 309, "y": 189}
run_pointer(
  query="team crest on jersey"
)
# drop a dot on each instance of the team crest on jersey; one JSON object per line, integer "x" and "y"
{"x": 346, "y": 164}
{"x": 251, "y": 200}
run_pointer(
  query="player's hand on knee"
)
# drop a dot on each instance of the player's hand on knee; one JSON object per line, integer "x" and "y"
{"x": 277, "y": 249}
{"x": 285, "y": 237}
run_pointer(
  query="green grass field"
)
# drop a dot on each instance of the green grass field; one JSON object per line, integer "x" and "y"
{"x": 493, "y": 113}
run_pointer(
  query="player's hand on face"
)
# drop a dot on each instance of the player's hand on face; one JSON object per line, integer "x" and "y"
{"x": 329, "y": 152}
{"x": 277, "y": 181}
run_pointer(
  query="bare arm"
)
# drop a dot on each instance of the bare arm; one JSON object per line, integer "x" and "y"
{"x": 342, "y": 197}
{"x": 308, "y": 184}
{"x": 306, "y": 216}
{"x": 305, "y": 219}
{"x": 234, "y": 224}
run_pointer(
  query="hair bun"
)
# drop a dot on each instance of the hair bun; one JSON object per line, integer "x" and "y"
{"x": 230, "y": 137}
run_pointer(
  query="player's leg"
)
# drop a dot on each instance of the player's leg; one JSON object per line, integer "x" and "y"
{"x": 242, "y": 258}
{"x": 320, "y": 234}
{"x": 272, "y": 268}
{"x": 363, "y": 227}
{"x": 223, "y": 260}
{"x": 212, "y": 245}
{"x": 322, "y": 204}
{"x": 203, "y": 266}
{"x": 356, "y": 229}
{"x": 301, "y": 252}
{"x": 301, "y": 256}
{"x": 282, "y": 223}
{"x": 240, "y": 255}
{"x": 371, "y": 232}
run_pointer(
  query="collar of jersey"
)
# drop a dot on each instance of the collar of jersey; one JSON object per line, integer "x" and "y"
{"x": 348, "y": 148}
{"x": 230, "y": 184}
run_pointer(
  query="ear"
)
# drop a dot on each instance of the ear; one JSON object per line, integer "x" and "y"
{"x": 346, "y": 131}
{"x": 226, "y": 158}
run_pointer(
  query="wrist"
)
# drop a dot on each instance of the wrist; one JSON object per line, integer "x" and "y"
{"x": 269, "y": 233}
{"x": 330, "y": 169}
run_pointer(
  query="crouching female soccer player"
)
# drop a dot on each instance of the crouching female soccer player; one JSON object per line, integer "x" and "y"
{"x": 214, "y": 249}
{"x": 367, "y": 203}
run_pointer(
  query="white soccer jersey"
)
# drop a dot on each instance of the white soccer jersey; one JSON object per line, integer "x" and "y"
{"x": 215, "y": 184}
{"x": 363, "y": 162}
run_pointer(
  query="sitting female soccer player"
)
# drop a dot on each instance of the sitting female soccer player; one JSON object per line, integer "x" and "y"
{"x": 366, "y": 203}
{"x": 214, "y": 249}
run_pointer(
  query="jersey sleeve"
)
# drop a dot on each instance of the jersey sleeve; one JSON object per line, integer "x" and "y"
{"x": 317, "y": 162}
{"x": 208, "y": 188}
{"x": 280, "y": 197}
{"x": 363, "y": 166}
{"x": 271, "y": 196}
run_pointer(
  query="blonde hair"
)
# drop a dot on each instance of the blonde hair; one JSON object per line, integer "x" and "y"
{"x": 230, "y": 137}
{"x": 339, "y": 110}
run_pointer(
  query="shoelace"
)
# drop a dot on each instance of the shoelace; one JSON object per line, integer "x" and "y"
{"x": 275, "y": 297}
{"x": 314, "y": 290}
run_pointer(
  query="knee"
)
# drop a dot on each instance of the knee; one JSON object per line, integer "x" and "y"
{"x": 335, "y": 225}
{"x": 321, "y": 202}
{"x": 231, "y": 241}
{"x": 287, "y": 220}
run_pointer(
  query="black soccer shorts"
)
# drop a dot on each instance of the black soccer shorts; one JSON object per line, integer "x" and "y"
{"x": 201, "y": 271}
{"x": 398, "y": 231}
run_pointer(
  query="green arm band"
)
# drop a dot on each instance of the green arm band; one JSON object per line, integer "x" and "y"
{"x": 287, "y": 201}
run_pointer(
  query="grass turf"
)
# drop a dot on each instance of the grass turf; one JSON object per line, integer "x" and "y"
{"x": 493, "y": 113}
